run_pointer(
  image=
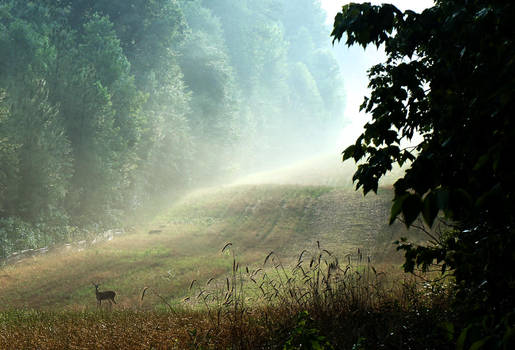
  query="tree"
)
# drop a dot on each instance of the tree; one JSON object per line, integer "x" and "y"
{"x": 279, "y": 53}
{"x": 208, "y": 74}
{"x": 449, "y": 78}
{"x": 34, "y": 149}
{"x": 98, "y": 105}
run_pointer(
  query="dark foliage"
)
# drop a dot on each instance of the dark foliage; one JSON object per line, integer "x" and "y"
{"x": 449, "y": 78}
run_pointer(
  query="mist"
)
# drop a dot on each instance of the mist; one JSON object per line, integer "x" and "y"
{"x": 108, "y": 113}
{"x": 167, "y": 121}
{"x": 171, "y": 174}
{"x": 122, "y": 108}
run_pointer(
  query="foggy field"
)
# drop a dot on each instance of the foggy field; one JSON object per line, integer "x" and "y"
{"x": 256, "y": 219}
{"x": 47, "y": 298}
{"x": 238, "y": 175}
{"x": 48, "y": 301}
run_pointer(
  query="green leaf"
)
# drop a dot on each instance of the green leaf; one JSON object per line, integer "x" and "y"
{"x": 449, "y": 330}
{"x": 411, "y": 208}
{"x": 482, "y": 162}
{"x": 430, "y": 210}
{"x": 442, "y": 199}
{"x": 349, "y": 152}
{"x": 509, "y": 335}
{"x": 460, "y": 343}
{"x": 479, "y": 344}
{"x": 315, "y": 345}
{"x": 397, "y": 207}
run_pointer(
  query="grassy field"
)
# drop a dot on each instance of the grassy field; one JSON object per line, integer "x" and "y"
{"x": 48, "y": 301}
{"x": 255, "y": 219}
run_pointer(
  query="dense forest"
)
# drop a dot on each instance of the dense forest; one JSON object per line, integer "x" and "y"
{"x": 107, "y": 105}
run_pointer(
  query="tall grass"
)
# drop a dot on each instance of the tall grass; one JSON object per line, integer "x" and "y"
{"x": 315, "y": 301}
{"x": 319, "y": 302}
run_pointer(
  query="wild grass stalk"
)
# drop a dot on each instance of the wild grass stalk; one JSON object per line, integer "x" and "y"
{"x": 344, "y": 304}
{"x": 316, "y": 300}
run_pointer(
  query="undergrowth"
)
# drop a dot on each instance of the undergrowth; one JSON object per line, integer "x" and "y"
{"x": 318, "y": 301}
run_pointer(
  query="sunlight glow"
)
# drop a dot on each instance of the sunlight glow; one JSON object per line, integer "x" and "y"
{"x": 354, "y": 64}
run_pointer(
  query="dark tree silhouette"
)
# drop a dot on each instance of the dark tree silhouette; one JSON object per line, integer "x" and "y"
{"x": 448, "y": 77}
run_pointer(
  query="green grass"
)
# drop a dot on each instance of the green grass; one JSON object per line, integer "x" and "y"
{"x": 48, "y": 301}
{"x": 256, "y": 219}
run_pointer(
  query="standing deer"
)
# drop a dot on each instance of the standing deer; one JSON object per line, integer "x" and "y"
{"x": 107, "y": 295}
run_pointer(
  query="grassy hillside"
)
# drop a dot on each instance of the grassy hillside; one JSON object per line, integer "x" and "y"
{"x": 254, "y": 218}
{"x": 237, "y": 301}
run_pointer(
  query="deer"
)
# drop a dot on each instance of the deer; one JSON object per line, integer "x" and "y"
{"x": 106, "y": 295}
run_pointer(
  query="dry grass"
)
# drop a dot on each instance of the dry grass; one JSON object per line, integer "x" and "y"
{"x": 97, "y": 330}
{"x": 257, "y": 219}
{"x": 317, "y": 298}
{"x": 236, "y": 301}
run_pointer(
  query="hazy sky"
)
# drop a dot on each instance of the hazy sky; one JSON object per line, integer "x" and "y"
{"x": 355, "y": 61}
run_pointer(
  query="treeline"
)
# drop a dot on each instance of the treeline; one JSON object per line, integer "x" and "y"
{"x": 107, "y": 104}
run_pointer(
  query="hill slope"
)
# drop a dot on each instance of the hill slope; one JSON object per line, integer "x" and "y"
{"x": 188, "y": 239}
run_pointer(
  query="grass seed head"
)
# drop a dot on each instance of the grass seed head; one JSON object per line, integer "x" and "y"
{"x": 143, "y": 293}
{"x": 226, "y": 246}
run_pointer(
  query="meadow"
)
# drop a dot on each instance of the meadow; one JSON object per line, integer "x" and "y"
{"x": 250, "y": 265}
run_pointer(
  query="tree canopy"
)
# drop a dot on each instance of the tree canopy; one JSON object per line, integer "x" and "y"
{"x": 448, "y": 83}
{"x": 107, "y": 107}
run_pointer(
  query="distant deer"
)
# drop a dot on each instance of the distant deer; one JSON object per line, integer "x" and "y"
{"x": 107, "y": 295}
